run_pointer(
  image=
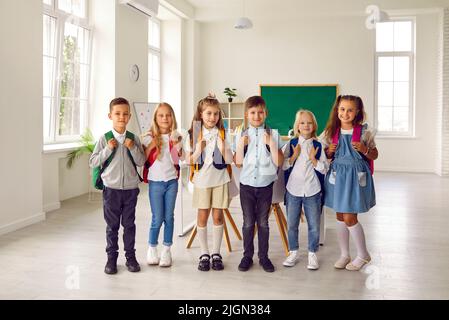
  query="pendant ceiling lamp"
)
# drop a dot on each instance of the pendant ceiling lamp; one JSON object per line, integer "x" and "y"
{"x": 243, "y": 22}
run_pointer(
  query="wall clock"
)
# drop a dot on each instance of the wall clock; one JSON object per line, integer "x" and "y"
{"x": 134, "y": 72}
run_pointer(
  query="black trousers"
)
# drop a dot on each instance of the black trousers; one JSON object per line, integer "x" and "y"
{"x": 120, "y": 206}
{"x": 256, "y": 205}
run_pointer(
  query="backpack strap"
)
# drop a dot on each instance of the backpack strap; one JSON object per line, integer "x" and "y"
{"x": 228, "y": 166}
{"x": 292, "y": 144}
{"x": 108, "y": 136}
{"x": 245, "y": 133}
{"x": 336, "y": 136}
{"x": 357, "y": 137}
{"x": 356, "y": 133}
{"x": 317, "y": 145}
{"x": 320, "y": 176}
{"x": 194, "y": 167}
{"x": 130, "y": 135}
{"x": 98, "y": 183}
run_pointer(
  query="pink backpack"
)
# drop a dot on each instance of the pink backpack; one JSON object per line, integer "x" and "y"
{"x": 356, "y": 136}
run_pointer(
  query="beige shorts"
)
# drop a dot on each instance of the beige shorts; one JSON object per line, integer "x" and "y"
{"x": 215, "y": 197}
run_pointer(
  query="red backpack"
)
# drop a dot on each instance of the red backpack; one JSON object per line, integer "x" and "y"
{"x": 356, "y": 136}
{"x": 153, "y": 156}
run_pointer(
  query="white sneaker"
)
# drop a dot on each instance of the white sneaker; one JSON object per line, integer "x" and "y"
{"x": 292, "y": 259}
{"x": 152, "y": 258}
{"x": 313, "y": 262}
{"x": 165, "y": 257}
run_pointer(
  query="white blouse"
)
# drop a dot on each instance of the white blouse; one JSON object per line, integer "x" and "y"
{"x": 303, "y": 181}
{"x": 209, "y": 176}
{"x": 162, "y": 169}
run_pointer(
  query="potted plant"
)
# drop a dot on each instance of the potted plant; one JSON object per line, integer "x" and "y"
{"x": 230, "y": 93}
{"x": 87, "y": 145}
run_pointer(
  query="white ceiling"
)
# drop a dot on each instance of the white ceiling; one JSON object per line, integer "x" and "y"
{"x": 216, "y": 4}
{"x": 210, "y": 10}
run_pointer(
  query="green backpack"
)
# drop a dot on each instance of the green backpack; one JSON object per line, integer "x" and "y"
{"x": 97, "y": 171}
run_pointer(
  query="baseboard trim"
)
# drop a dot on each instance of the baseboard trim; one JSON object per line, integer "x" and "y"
{"x": 52, "y": 206}
{"x": 19, "y": 224}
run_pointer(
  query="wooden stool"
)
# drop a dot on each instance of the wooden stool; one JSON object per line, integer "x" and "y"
{"x": 282, "y": 224}
{"x": 225, "y": 229}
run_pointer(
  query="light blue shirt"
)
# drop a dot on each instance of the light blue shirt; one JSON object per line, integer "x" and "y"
{"x": 258, "y": 168}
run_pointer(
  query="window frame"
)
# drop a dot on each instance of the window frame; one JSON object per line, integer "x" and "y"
{"x": 157, "y": 52}
{"x": 412, "y": 62}
{"x": 63, "y": 17}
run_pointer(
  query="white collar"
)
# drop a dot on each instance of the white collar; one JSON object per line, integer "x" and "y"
{"x": 206, "y": 131}
{"x": 301, "y": 139}
{"x": 347, "y": 131}
{"x": 118, "y": 134}
{"x": 255, "y": 128}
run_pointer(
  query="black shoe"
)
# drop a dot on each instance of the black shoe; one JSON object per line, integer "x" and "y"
{"x": 217, "y": 262}
{"x": 266, "y": 265}
{"x": 245, "y": 264}
{"x": 111, "y": 266}
{"x": 204, "y": 264}
{"x": 132, "y": 264}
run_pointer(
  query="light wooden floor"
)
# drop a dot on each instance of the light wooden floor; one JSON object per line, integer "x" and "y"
{"x": 407, "y": 235}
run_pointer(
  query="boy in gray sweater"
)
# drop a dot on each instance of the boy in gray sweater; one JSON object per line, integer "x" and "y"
{"x": 120, "y": 180}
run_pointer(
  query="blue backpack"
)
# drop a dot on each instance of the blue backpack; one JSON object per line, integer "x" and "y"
{"x": 320, "y": 176}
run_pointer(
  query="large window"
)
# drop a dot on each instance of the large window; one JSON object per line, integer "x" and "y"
{"x": 394, "y": 77}
{"x": 66, "y": 69}
{"x": 154, "y": 60}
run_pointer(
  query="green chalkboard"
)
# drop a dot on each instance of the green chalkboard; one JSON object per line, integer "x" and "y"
{"x": 283, "y": 101}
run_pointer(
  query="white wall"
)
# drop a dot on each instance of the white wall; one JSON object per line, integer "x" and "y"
{"x": 102, "y": 86}
{"x": 190, "y": 70}
{"x": 21, "y": 106}
{"x": 171, "y": 64}
{"x": 131, "y": 47}
{"x": 329, "y": 49}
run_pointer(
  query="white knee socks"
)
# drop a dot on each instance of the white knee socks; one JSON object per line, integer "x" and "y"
{"x": 343, "y": 238}
{"x": 202, "y": 237}
{"x": 359, "y": 238}
{"x": 217, "y": 237}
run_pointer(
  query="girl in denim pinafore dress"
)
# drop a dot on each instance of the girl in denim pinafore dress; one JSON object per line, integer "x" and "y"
{"x": 349, "y": 185}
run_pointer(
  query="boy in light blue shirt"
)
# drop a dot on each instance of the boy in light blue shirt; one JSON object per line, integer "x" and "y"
{"x": 258, "y": 152}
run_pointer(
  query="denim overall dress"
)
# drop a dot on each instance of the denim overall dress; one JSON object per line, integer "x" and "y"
{"x": 349, "y": 184}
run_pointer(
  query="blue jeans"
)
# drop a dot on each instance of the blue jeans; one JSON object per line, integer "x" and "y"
{"x": 312, "y": 210}
{"x": 162, "y": 201}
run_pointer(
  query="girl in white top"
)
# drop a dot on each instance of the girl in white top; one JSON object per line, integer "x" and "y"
{"x": 209, "y": 156}
{"x": 163, "y": 149}
{"x": 305, "y": 163}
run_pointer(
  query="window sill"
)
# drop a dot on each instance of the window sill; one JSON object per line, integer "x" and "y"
{"x": 60, "y": 147}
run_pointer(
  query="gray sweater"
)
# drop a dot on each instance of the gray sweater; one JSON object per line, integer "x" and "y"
{"x": 120, "y": 174}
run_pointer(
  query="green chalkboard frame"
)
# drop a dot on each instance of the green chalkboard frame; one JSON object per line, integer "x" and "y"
{"x": 283, "y": 101}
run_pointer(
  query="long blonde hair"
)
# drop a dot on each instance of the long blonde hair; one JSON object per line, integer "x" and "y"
{"x": 155, "y": 131}
{"x": 298, "y": 116}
